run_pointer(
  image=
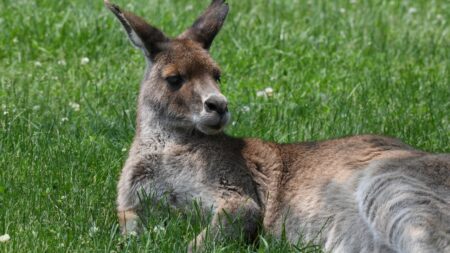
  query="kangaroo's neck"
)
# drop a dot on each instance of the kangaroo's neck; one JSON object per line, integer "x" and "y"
{"x": 155, "y": 129}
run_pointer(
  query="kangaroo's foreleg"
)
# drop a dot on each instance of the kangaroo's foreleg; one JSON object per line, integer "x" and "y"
{"x": 128, "y": 203}
{"x": 129, "y": 222}
{"x": 135, "y": 184}
{"x": 235, "y": 217}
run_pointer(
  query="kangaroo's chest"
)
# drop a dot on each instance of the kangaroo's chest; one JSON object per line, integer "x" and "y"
{"x": 184, "y": 177}
{"x": 190, "y": 173}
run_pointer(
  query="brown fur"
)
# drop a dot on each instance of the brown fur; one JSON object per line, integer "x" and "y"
{"x": 356, "y": 194}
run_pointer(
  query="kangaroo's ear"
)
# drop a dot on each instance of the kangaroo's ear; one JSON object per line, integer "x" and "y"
{"x": 144, "y": 36}
{"x": 206, "y": 27}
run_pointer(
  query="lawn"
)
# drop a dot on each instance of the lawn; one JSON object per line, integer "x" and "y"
{"x": 69, "y": 80}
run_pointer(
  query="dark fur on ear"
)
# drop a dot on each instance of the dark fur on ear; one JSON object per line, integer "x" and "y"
{"x": 144, "y": 36}
{"x": 206, "y": 27}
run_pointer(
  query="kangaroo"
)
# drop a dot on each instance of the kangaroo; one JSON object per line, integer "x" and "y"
{"x": 355, "y": 194}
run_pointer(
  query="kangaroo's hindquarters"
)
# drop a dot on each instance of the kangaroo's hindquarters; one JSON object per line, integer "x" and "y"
{"x": 406, "y": 202}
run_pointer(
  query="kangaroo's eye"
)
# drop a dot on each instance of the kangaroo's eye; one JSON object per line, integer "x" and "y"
{"x": 175, "y": 82}
{"x": 217, "y": 77}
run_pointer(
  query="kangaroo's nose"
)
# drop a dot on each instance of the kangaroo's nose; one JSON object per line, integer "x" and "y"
{"x": 217, "y": 104}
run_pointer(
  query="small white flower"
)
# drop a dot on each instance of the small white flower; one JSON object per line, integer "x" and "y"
{"x": 64, "y": 119}
{"x": 36, "y": 107}
{"x": 84, "y": 61}
{"x": 245, "y": 108}
{"x": 412, "y": 10}
{"x": 268, "y": 91}
{"x": 63, "y": 62}
{"x": 234, "y": 123}
{"x": 93, "y": 230}
{"x": 260, "y": 93}
{"x": 75, "y": 106}
{"x": 5, "y": 238}
{"x": 159, "y": 229}
{"x": 15, "y": 40}
{"x": 5, "y": 112}
{"x": 342, "y": 10}
{"x": 37, "y": 63}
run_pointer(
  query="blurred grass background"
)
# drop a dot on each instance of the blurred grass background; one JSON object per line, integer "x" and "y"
{"x": 69, "y": 80}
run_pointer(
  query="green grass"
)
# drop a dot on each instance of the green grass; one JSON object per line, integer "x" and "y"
{"x": 337, "y": 68}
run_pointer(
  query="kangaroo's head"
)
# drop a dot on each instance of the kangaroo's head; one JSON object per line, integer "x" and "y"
{"x": 181, "y": 85}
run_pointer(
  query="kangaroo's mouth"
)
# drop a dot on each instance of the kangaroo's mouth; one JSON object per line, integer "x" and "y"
{"x": 215, "y": 126}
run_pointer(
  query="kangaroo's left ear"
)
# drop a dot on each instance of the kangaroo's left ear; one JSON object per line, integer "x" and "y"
{"x": 143, "y": 35}
{"x": 206, "y": 27}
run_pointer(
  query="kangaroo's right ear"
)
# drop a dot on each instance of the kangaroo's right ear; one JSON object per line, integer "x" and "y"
{"x": 144, "y": 36}
{"x": 206, "y": 27}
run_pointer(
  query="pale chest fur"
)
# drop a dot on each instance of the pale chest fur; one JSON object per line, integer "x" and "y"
{"x": 204, "y": 171}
